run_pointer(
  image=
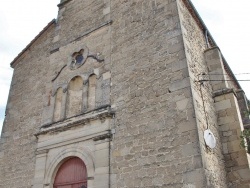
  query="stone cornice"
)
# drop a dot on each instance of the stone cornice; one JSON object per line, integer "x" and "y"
{"x": 100, "y": 113}
{"x": 103, "y": 137}
{"x": 223, "y": 92}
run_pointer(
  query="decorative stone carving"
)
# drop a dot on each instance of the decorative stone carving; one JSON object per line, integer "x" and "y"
{"x": 78, "y": 58}
{"x": 58, "y": 73}
{"x": 103, "y": 137}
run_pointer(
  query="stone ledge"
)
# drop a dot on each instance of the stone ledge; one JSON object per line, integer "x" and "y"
{"x": 212, "y": 48}
{"x": 76, "y": 138}
{"x": 223, "y": 92}
{"x": 99, "y": 113}
{"x": 103, "y": 137}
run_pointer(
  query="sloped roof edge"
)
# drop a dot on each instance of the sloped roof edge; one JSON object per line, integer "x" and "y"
{"x": 32, "y": 42}
{"x": 192, "y": 11}
{"x": 203, "y": 27}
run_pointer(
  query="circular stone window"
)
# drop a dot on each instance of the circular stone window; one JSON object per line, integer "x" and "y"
{"x": 79, "y": 58}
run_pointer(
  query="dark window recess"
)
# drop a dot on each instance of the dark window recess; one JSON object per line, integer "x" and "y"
{"x": 79, "y": 58}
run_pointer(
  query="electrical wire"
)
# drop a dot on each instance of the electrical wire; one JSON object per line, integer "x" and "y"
{"x": 227, "y": 74}
{"x": 203, "y": 104}
{"x": 222, "y": 80}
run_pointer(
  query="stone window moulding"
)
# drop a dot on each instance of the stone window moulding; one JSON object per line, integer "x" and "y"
{"x": 77, "y": 94}
{"x": 78, "y": 89}
{"x": 77, "y": 58}
{"x": 75, "y": 98}
{"x": 79, "y": 122}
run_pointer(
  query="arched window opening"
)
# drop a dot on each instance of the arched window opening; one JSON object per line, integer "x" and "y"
{"x": 58, "y": 105}
{"x": 71, "y": 174}
{"x": 92, "y": 92}
{"x": 74, "y": 100}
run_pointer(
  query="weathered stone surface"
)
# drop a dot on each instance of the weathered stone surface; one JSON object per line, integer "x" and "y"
{"x": 205, "y": 112}
{"x": 134, "y": 110}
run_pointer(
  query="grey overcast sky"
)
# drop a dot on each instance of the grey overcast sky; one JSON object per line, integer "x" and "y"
{"x": 21, "y": 20}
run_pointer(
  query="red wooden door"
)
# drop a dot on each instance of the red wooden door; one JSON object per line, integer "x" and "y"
{"x": 71, "y": 174}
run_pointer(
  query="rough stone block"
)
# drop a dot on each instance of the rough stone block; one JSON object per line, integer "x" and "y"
{"x": 244, "y": 174}
{"x": 226, "y": 120}
{"x": 179, "y": 85}
{"x": 224, "y": 148}
{"x": 101, "y": 181}
{"x": 106, "y": 75}
{"x": 106, "y": 11}
{"x": 194, "y": 177}
{"x": 179, "y": 65}
{"x": 190, "y": 149}
{"x": 102, "y": 158}
{"x": 222, "y": 105}
{"x": 182, "y": 105}
{"x": 186, "y": 126}
{"x": 234, "y": 146}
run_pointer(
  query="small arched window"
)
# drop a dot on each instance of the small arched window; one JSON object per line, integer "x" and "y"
{"x": 92, "y": 92}
{"x": 74, "y": 101}
{"x": 71, "y": 174}
{"x": 58, "y": 105}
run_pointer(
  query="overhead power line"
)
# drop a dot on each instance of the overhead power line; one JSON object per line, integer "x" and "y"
{"x": 227, "y": 74}
{"x": 207, "y": 80}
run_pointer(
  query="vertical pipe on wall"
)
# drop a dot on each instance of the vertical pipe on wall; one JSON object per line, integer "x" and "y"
{"x": 207, "y": 41}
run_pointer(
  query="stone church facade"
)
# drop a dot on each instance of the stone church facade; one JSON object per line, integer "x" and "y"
{"x": 122, "y": 92}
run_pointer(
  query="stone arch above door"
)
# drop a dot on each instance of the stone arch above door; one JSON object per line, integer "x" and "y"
{"x": 72, "y": 173}
{"x": 61, "y": 157}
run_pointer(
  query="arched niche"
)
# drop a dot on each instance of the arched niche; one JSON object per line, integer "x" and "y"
{"x": 58, "y": 105}
{"x": 92, "y": 91}
{"x": 74, "y": 97}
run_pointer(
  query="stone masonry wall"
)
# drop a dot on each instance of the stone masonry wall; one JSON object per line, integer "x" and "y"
{"x": 78, "y": 17}
{"x": 156, "y": 141}
{"x": 29, "y": 105}
{"x": 230, "y": 124}
{"x": 23, "y": 117}
{"x": 205, "y": 112}
{"x": 96, "y": 42}
{"x": 159, "y": 120}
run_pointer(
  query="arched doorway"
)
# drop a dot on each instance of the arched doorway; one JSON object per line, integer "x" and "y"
{"x": 71, "y": 174}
